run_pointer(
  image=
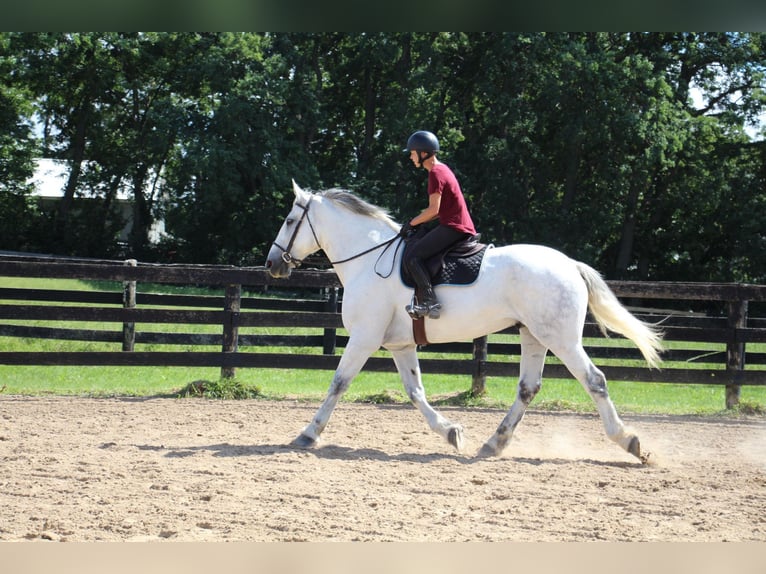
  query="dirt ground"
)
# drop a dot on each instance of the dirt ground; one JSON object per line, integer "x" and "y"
{"x": 78, "y": 469}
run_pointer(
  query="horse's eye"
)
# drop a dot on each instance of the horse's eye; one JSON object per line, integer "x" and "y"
{"x": 289, "y": 221}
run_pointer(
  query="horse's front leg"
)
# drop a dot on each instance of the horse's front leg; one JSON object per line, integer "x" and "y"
{"x": 351, "y": 362}
{"x": 409, "y": 369}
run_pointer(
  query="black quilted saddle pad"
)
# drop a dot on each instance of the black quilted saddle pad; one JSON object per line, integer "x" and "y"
{"x": 449, "y": 269}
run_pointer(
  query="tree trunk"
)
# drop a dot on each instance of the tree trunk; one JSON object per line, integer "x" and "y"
{"x": 139, "y": 233}
{"x": 625, "y": 253}
{"x": 77, "y": 146}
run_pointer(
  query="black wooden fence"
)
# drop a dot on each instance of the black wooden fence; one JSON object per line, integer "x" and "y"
{"x": 715, "y": 348}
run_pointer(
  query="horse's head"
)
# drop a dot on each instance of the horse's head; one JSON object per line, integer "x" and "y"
{"x": 296, "y": 239}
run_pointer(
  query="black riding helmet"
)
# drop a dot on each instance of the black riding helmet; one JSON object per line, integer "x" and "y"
{"x": 423, "y": 141}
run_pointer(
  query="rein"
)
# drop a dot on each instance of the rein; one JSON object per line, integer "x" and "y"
{"x": 385, "y": 244}
{"x": 288, "y": 258}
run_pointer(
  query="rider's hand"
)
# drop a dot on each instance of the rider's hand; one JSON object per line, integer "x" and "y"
{"x": 405, "y": 230}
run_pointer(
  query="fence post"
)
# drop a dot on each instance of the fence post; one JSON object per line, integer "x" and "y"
{"x": 329, "y": 338}
{"x": 735, "y": 351}
{"x": 478, "y": 384}
{"x": 129, "y": 302}
{"x": 231, "y": 306}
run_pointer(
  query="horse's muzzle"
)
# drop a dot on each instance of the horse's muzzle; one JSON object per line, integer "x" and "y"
{"x": 278, "y": 268}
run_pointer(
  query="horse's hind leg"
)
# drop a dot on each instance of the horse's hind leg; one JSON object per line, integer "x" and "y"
{"x": 594, "y": 381}
{"x": 530, "y": 381}
{"x": 409, "y": 369}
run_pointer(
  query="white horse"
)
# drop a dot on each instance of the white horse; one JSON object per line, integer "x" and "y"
{"x": 537, "y": 288}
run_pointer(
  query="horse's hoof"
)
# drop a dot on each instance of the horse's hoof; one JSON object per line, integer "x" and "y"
{"x": 455, "y": 438}
{"x": 303, "y": 441}
{"x": 486, "y": 451}
{"x": 634, "y": 448}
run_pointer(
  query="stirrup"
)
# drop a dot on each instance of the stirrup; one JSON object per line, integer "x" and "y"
{"x": 430, "y": 309}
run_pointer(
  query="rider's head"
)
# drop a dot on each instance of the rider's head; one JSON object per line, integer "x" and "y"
{"x": 424, "y": 144}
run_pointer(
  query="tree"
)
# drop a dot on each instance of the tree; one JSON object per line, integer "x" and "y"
{"x": 247, "y": 134}
{"x": 69, "y": 78}
{"x": 707, "y": 223}
{"x": 582, "y": 141}
{"x": 626, "y": 150}
{"x": 17, "y": 147}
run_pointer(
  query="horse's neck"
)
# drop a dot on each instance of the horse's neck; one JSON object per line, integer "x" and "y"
{"x": 344, "y": 235}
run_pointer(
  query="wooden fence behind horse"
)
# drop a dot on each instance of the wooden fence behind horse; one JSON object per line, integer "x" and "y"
{"x": 722, "y": 347}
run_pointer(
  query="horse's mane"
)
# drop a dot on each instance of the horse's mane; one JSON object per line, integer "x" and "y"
{"x": 357, "y": 205}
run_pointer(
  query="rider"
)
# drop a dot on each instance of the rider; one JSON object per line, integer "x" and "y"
{"x": 445, "y": 202}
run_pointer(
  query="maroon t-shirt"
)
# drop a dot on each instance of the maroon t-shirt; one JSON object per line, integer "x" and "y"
{"x": 452, "y": 209}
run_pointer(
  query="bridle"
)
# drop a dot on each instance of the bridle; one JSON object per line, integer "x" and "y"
{"x": 288, "y": 258}
{"x": 286, "y": 255}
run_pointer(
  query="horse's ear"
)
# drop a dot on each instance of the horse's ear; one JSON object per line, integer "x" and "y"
{"x": 297, "y": 190}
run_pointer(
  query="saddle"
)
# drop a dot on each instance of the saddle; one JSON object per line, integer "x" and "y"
{"x": 458, "y": 265}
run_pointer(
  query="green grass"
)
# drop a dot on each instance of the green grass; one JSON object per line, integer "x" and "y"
{"x": 277, "y": 384}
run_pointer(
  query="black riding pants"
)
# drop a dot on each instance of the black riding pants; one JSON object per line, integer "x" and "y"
{"x": 435, "y": 241}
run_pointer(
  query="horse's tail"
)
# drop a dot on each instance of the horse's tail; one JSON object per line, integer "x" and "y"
{"x": 610, "y": 314}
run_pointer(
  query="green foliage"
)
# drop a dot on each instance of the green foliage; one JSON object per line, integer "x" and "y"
{"x": 589, "y": 142}
{"x": 227, "y": 389}
{"x": 750, "y": 408}
{"x": 17, "y": 210}
{"x": 386, "y": 396}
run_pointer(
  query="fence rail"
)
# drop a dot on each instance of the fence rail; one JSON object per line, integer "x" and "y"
{"x": 729, "y": 362}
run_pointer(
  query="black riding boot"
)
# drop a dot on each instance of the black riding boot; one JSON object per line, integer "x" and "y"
{"x": 429, "y": 306}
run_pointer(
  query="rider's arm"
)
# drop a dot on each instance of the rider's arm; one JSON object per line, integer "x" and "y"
{"x": 429, "y": 213}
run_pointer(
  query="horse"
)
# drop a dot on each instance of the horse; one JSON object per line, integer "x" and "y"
{"x": 540, "y": 290}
